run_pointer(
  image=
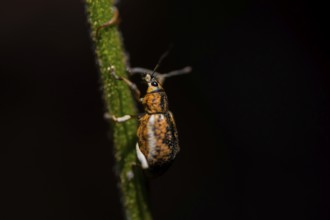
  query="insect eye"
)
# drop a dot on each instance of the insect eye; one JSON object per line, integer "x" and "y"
{"x": 154, "y": 84}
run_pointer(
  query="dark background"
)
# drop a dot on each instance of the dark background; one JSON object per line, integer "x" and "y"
{"x": 253, "y": 116}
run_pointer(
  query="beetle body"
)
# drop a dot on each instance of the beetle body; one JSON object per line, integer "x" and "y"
{"x": 158, "y": 142}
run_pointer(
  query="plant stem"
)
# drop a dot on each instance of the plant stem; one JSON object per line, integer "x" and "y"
{"x": 119, "y": 101}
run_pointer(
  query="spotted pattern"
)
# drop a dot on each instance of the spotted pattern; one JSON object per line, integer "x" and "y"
{"x": 157, "y": 133}
{"x": 155, "y": 102}
{"x": 158, "y": 138}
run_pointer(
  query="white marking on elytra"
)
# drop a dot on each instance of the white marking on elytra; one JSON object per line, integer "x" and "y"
{"x": 151, "y": 136}
{"x": 141, "y": 157}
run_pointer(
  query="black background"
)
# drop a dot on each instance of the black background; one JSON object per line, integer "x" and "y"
{"x": 253, "y": 116}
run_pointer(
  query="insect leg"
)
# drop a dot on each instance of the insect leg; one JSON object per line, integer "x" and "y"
{"x": 112, "y": 21}
{"x": 160, "y": 77}
{"x": 139, "y": 70}
{"x": 122, "y": 118}
{"x": 131, "y": 85}
{"x": 118, "y": 119}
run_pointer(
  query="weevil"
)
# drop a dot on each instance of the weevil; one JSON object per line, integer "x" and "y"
{"x": 158, "y": 142}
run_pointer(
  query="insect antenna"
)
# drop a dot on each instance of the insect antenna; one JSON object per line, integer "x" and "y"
{"x": 160, "y": 77}
{"x": 161, "y": 60}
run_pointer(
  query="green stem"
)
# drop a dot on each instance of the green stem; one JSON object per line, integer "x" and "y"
{"x": 119, "y": 101}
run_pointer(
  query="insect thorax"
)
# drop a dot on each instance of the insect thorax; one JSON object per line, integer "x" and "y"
{"x": 155, "y": 102}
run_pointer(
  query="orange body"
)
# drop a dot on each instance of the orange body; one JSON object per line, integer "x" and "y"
{"x": 157, "y": 133}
